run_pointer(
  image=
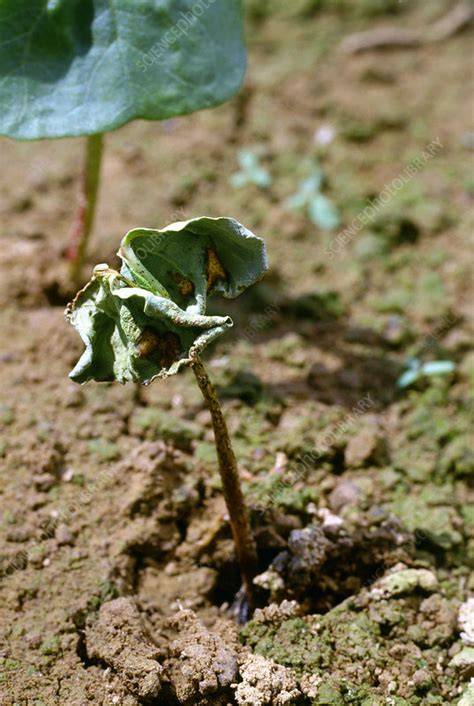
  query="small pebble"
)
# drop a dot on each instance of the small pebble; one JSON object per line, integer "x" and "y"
{"x": 367, "y": 446}
{"x": 345, "y": 493}
{"x": 68, "y": 475}
{"x": 37, "y": 556}
{"x": 74, "y": 397}
{"x": 34, "y": 640}
{"x": 324, "y": 135}
{"x": 330, "y": 521}
{"x": 466, "y": 622}
{"x": 64, "y": 535}
{"x": 34, "y": 502}
{"x": 19, "y": 534}
{"x": 44, "y": 481}
{"x": 422, "y": 679}
{"x": 463, "y": 662}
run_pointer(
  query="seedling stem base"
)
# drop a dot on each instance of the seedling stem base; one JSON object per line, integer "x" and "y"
{"x": 231, "y": 487}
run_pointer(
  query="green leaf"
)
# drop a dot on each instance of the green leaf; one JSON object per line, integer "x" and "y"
{"x": 312, "y": 184}
{"x": 149, "y": 320}
{"x": 408, "y": 378}
{"x": 251, "y": 171}
{"x": 238, "y": 180}
{"x": 79, "y": 67}
{"x": 416, "y": 370}
{"x": 438, "y": 367}
{"x": 321, "y": 210}
{"x": 190, "y": 259}
{"x": 298, "y": 200}
{"x": 323, "y": 213}
{"x": 261, "y": 178}
{"x": 248, "y": 160}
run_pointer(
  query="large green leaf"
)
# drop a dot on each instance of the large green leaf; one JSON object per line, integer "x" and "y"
{"x": 149, "y": 320}
{"x": 79, "y": 67}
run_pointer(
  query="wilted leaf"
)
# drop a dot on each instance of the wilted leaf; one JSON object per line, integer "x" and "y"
{"x": 190, "y": 259}
{"x": 131, "y": 334}
{"x": 79, "y": 67}
{"x": 149, "y": 320}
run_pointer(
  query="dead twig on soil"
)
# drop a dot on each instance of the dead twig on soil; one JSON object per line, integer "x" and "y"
{"x": 450, "y": 24}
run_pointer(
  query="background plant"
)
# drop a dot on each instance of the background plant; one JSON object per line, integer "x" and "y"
{"x": 251, "y": 171}
{"x": 83, "y": 67}
{"x": 309, "y": 197}
{"x": 416, "y": 370}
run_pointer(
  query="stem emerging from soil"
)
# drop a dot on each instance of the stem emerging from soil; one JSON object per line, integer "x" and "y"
{"x": 84, "y": 218}
{"x": 244, "y": 542}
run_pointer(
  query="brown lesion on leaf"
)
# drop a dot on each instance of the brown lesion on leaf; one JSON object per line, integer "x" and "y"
{"x": 164, "y": 349}
{"x": 185, "y": 286}
{"x": 214, "y": 270}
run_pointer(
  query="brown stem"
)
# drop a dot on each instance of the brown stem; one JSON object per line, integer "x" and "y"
{"x": 244, "y": 542}
{"x": 84, "y": 218}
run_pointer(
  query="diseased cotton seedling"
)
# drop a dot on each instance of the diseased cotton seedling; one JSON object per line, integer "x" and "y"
{"x": 149, "y": 320}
